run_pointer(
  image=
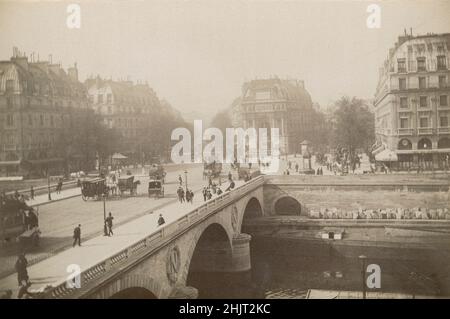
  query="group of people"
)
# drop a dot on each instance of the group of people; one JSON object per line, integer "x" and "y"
{"x": 382, "y": 213}
{"x": 185, "y": 196}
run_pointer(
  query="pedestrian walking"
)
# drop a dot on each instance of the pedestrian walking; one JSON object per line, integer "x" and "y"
{"x": 109, "y": 223}
{"x": 230, "y": 177}
{"x": 21, "y": 268}
{"x": 77, "y": 235}
{"x": 204, "y": 192}
{"x": 161, "y": 220}
{"x": 180, "y": 179}
{"x": 32, "y": 192}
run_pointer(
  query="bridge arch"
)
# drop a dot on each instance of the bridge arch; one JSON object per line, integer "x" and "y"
{"x": 252, "y": 209}
{"x": 134, "y": 293}
{"x": 136, "y": 286}
{"x": 287, "y": 205}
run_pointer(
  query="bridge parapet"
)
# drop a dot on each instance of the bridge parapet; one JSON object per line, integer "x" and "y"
{"x": 152, "y": 242}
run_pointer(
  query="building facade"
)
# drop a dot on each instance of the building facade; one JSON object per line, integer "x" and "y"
{"x": 276, "y": 103}
{"x": 126, "y": 107}
{"x": 38, "y": 102}
{"x": 412, "y": 107}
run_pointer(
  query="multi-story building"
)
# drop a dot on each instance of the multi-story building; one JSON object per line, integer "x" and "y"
{"x": 38, "y": 101}
{"x": 126, "y": 107}
{"x": 412, "y": 108}
{"x": 276, "y": 103}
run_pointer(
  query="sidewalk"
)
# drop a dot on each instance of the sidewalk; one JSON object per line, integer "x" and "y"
{"x": 43, "y": 198}
{"x": 97, "y": 249}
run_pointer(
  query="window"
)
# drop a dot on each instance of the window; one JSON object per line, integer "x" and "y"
{"x": 443, "y": 100}
{"x": 401, "y": 65}
{"x": 9, "y": 120}
{"x": 403, "y": 102}
{"x": 109, "y": 98}
{"x": 424, "y": 122}
{"x": 441, "y": 62}
{"x": 51, "y": 120}
{"x": 9, "y": 85}
{"x": 442, "y": 81}
{"x": 100, "y": 98}
{"x": 41, "y": 118}
{"x": 9, "y": 102}
{"x": 30, "y": 120}
{"x": 404, "y": 122}
{"x": 91, "y": 99}
{"x": 423, "y": 101}
{"x": 421, "y": 64}
{"x": 443, "y": 121}
{"x": 422, "y": 83}
{"x": 402, "y": 84}
{"x": 109, "y": 109}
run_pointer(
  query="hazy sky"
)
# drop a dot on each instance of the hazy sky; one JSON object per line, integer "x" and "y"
{"x": 197, "y": 54}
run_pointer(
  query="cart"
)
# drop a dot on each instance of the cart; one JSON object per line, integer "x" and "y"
{"x": 93, "y": 188}
{"x": 155, "y": 188}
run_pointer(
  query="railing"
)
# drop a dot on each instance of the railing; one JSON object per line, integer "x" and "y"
{"x": 425, "y": 131}
{"x": 61, "y": 289}
{"x": 405, "y": 131}
{"x": 443, "y": 130}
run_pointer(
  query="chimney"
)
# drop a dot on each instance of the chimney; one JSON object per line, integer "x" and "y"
{"x": 19, "y": 59}
{"x": 73, "y": 73}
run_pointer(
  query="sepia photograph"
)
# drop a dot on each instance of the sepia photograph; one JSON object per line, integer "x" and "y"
{"x": 239, "y": 149}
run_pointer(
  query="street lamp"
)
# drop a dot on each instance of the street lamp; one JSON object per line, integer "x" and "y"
{"x": 185, "y": 179}
{"x": 363, "y": 274}
{"x": 105, "y": 232}
{"x": 48, "y": 185}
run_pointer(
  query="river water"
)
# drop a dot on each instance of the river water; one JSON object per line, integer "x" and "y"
{"x": 283, "y": 269}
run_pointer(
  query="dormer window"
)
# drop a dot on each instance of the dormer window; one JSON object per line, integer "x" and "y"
{"x": 421, "y": 64}
{"x": 401, "y": 65}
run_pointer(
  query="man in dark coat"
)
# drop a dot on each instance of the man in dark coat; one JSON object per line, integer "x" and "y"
{"x": 77, "y": 236}
{"x": 21, "y": 268}
{"x": 161, "y": 220}
{"x": 109, "y": 223}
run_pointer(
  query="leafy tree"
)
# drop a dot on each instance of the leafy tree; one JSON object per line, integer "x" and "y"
{"x": 354, "y": 124}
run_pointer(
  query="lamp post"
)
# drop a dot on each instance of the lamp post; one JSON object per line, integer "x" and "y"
{"x": 48, "y": 185}
{"x": 363, "y": 274}
{"x": 105, "y": 231}
{"x": 185, "y": 179}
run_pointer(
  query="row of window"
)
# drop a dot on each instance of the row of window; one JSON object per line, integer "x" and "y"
{"x": 422, "y": 82}
{"x": 423, "y": 101}
{"x": 424, "y": 122}
{"x": 108, "y": 98}
{"x": 31, "y": 120}
{"x": 422, "y": 64}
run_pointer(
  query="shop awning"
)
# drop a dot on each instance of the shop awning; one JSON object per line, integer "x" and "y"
{"x": 378, "y": 149}
{"x": 9, "y": 163}
{"x": 118, "y": 156}
{"x": 386, "y": 156}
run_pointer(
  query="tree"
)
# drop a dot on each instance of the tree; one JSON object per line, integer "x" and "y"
{"x": 354, "y": 126}
{"x": 222, "y": 121}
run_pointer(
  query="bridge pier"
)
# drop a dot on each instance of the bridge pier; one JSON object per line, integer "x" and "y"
{"x": 184, "y": 292}
{"x": 240, "y": 258}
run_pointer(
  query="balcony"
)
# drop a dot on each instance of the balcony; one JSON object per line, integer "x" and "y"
{"x": 425, "y": 131}
{"x": 443, "y": 130}
{"x": 405, "y": 131}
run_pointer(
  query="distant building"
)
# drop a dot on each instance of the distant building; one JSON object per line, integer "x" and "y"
{"x": 276, "y": 103}
{"x": 38, "y": 101}
{"x": 126, "y": 107}
{"x": 412, "y": 109}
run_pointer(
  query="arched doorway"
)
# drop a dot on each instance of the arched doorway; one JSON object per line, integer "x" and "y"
{"x": 211, "y": 255}
{"x": 424, "y": 144}
{"x": 444, "y": 142}
{"x": 425, "y": 159}
{"x": 444, "y": 158}
{"x": 404, "y": 144}
{"x": 134, "y": 293}
{"x": 287, "y": 206}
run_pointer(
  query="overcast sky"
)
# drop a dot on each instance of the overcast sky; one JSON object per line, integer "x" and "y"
{"x": 197, "y": 54}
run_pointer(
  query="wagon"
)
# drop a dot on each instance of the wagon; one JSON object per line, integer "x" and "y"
{"x": 93, "y": 188}
{"x": 155, "y": 188}
{"x": 157, "y": 172}
{"x": 127, "y": 183}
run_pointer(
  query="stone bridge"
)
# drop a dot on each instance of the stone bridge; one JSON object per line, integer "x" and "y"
{"x": 208, "y": 238}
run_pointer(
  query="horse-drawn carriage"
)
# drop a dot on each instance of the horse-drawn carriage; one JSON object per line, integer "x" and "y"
{"x": 155, "y": 188}
{"x": 127, "y": 183}
{"x": 94, "y": 188}
{"x": 157, "y": 172}
{"x": 212, "y": 169}
{"x": 18, "y": 220}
